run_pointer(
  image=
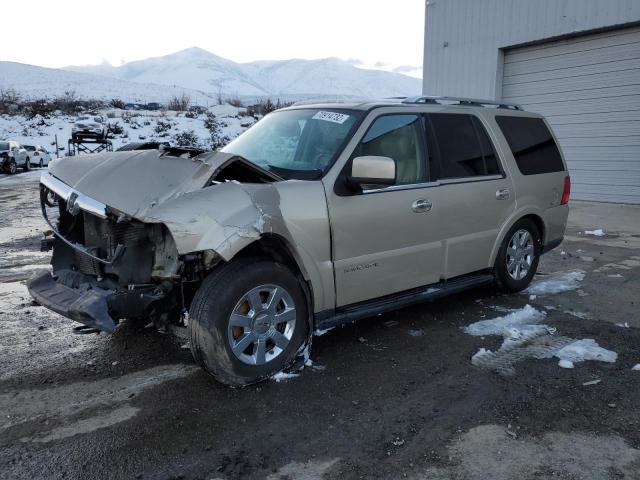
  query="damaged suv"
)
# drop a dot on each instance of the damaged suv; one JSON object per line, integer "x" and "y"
{"x": 316, "y": 216}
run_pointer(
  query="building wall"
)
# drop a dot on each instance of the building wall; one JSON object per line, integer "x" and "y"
{"x": 464, "y": 38}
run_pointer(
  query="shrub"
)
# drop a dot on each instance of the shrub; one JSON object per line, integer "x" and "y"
{"x": 217, "y": 140}
{"x": 9, "y": 100}
{"x": 186, "y": 139}
{"x": 162, "y": 126}
{"x": 179, "y": 104}
{"x": 235, "y": 102}
{"x": 68, "y": 103}
{"x": 41, "y": 107}
{"x": 117, "y": 103}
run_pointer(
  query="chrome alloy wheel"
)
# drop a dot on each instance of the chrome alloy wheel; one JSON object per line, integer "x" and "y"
{"x": 261, "y": 324}
{"x": 520, "y": 254}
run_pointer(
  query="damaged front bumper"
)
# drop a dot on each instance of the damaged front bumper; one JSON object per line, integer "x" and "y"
{"x": 79, "y": 299}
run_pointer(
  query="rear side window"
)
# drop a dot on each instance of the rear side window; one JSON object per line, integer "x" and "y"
{"x": 532, "y": 145}
{"x": 460, "y": 147}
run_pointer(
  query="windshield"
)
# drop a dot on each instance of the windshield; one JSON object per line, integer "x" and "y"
{"x": 4, "y": 146}
{"x": 295, "y": 143}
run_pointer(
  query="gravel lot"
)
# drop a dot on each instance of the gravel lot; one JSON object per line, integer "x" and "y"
{"x": 395, "y": 396}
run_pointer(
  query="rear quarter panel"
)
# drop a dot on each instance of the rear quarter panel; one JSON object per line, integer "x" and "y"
{"x": 538, "y": 195}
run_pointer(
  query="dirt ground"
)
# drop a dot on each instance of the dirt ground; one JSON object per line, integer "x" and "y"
{"x": 395, "y": 396}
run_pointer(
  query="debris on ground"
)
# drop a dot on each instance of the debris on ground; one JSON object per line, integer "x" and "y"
{"x": 592, "y": 382}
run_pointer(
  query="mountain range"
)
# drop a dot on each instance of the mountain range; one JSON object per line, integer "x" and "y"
{"x": 200, "y": 70}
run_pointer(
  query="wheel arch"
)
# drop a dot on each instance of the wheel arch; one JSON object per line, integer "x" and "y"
{"x": 277, "y": 248}
{"x": 532, "y": 215}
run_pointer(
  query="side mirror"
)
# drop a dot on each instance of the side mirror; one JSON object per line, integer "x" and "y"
{"x": 373, "y": 170}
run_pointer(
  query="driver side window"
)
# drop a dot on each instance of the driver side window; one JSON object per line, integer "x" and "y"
{"x": 398, "y": 137}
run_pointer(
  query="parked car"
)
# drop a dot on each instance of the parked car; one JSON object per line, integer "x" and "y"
{"x": 89, "y": 126}
{"x": 39, "y": 155}
{"x": 316, "y": 216}
{"x": 13, "y": 156}
{"x": 153, "y": 106}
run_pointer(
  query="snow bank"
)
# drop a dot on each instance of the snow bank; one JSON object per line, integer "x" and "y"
{"x": 556, "y": 283}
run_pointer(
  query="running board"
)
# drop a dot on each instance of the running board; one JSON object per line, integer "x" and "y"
{"x": 370, "y": 308}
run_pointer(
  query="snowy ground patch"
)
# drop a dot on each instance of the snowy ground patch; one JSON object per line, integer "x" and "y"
{"x": 526, "y": 337}
{"x": 556, "y": 283}
{"x": 597, "y": 233}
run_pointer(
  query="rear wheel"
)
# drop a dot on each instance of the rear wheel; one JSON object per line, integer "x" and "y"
{"x": 41, "y": 164}
{"x": 13, "y": 167}
{"x": 247, "y": 321}
{"x": 518, "y": 257}
{"x": 27, "y": 165}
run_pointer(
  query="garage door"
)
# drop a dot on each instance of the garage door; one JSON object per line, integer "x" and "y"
{"x": 588, "y": 87}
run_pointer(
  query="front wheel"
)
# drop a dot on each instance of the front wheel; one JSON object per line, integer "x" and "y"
{"x": 27, "y": 165}
{"x": 518, "y": 257}
{"x": 41, "y": 164}
{"x": 248, "y": 321}
{"x": 13, "y": 167}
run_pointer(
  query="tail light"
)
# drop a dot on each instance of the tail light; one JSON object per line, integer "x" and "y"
{"x": 567, "y": 190}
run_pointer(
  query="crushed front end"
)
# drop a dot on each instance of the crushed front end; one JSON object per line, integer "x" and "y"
{"x": 106, "y": 265}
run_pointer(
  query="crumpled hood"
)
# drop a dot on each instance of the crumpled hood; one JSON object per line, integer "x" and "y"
{"x": 134, "y": 182}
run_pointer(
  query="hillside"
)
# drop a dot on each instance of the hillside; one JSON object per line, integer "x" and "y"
{"x": 199, "y": 69}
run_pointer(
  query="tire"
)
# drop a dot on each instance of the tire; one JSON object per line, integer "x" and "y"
{"x": 218, "y": 346}
{"x": 512, "y": 263}
{"x": 41, "y": 164}
{"x": 13, "y": 167}
{"x": 27, "y": 165}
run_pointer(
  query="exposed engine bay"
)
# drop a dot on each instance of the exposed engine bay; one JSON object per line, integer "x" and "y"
{"x": 109, "y": 265}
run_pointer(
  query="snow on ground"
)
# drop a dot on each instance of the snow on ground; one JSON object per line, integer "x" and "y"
{"x": 598, "y": 232}
{"x": 556, "y": 283}
{"x": 581, "y": 350}
{"x": 496, "y": 326}
{"x": 636, "y": 367}
{"x": 137, "y": 126}
{"x": 526, "y": 337}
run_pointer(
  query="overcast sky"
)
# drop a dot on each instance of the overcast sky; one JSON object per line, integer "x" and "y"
{"x": 55, "y": 33}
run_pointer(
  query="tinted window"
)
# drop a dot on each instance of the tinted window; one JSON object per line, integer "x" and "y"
{"x": 461, "y": 145}
{"x": 532, "y": 145}
{"x": 488, "y": 152}
{"x": 30, "y": 148}
{"x": 398, "y": 137}
{"x": 4, "y": 146}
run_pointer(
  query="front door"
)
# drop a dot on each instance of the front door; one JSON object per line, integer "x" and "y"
{"x": 387, "y": 240}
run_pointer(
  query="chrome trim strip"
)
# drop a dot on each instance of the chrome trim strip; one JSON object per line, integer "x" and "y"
{"x": 82, "y": 201}
{"x": 450, "y": 181}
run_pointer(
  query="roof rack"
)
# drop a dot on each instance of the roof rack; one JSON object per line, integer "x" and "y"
{"x": 476, "y": 102}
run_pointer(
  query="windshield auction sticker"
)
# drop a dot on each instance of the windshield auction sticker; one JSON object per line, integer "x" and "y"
{"x": 331, "y": 117}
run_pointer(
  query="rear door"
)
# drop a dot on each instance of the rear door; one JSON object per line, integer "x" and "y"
{"x": 475, "y": 196}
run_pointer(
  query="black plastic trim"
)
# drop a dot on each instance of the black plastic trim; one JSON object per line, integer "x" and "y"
{"x": 550, "y": 245}
{"x": 351, "y": 313}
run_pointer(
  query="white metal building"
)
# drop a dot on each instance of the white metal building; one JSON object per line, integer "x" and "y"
{"x": 575, "y": 61}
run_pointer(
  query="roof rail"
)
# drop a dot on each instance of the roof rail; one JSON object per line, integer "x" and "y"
{"x": 476, "y": 102}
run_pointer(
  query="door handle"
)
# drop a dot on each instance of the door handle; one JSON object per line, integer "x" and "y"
{"x": 421, "y": 205}
{"x": 502, "y": 194}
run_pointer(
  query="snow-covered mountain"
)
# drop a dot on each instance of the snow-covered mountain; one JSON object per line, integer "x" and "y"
{"x": 38, "y": 82}
{"x": 201, "y": 70}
